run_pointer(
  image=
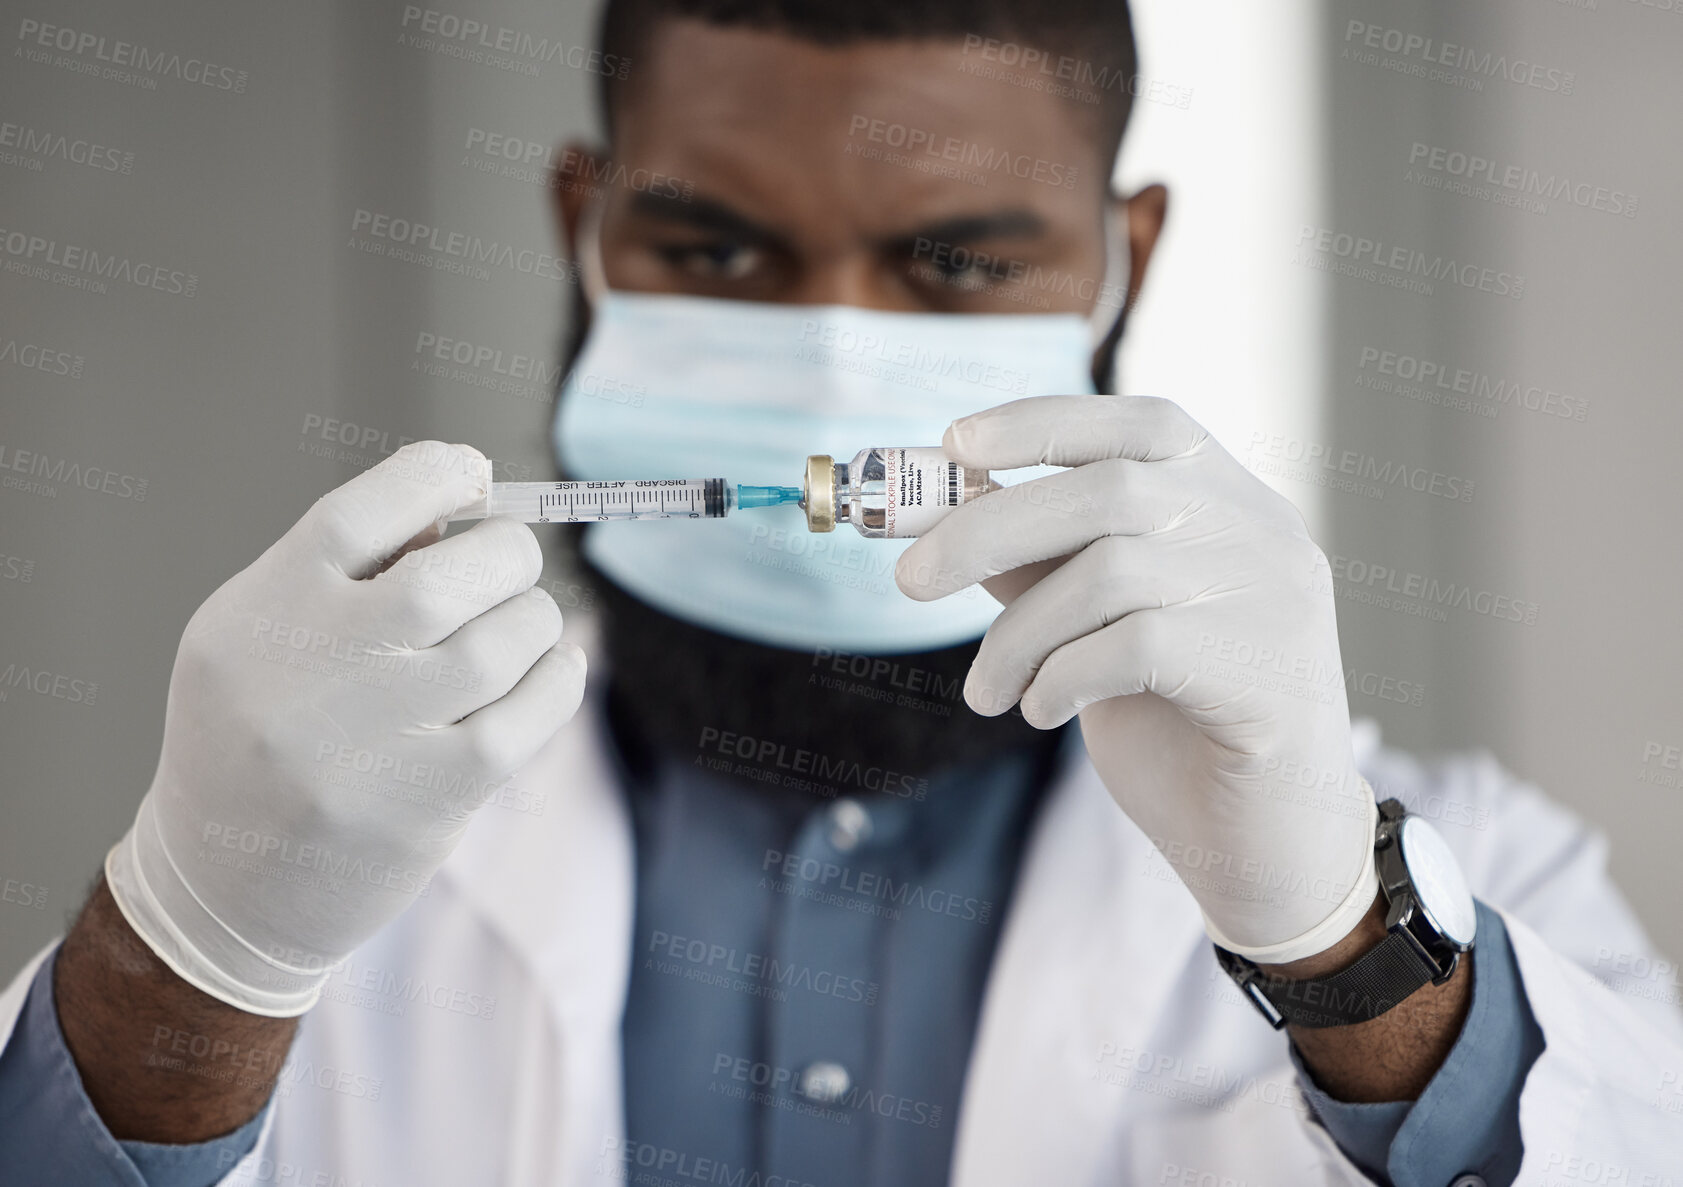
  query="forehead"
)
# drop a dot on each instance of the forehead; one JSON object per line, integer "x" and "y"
{"x": 865, "y": 138}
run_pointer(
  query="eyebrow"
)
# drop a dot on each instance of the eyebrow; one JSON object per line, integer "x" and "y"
{"x": 702, "y": 214}
{"x": 708, "y": 214}
{"x": 1002, "y": 224}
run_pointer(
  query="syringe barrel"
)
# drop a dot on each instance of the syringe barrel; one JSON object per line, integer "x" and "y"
{"x": 592, "y": 502}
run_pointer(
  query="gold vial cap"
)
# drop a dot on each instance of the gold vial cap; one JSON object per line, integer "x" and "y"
{"x": 818, "y": 493}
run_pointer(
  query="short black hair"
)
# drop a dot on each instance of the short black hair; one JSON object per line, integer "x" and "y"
{"x": 1090, "y": 43}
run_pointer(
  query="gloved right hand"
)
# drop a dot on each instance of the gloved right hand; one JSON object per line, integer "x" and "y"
{"x": 1189, "y": 631}
{"x": 334, "y": 719}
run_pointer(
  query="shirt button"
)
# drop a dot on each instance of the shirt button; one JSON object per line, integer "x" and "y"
{"x": 850, "y": 825}
{"x": 825, "y": 1082}
{"x": 1468, "y": 1181}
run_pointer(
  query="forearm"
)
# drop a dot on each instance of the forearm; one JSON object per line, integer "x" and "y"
{"x": 1393, "y": 1056}
{"x": 160, "y": 1060}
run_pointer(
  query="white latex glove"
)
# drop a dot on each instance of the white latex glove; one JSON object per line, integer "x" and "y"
{"x": 334, "y": 719}
{"x": 1185, "y": 614}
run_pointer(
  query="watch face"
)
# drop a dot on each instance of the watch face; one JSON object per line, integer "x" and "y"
{"x": 1438, "y": 882}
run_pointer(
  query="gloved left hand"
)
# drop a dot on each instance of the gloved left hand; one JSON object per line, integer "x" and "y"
{"x": 1168, "y": 596}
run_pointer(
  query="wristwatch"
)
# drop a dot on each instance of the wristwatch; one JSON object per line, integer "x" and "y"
{"x": 1429, "y": 922}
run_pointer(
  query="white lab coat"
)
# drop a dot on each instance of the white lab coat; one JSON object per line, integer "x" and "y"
{"x": 1111, "y": 1050}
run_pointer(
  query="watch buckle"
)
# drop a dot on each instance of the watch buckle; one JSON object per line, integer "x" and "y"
{"x": 1245, "y": 974}
{"x": 1265, "y": 1007}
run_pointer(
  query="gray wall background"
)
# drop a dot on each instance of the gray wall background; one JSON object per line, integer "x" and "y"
{"x": 221, "y": 401}
{"x": 235, "y": 404}
{"x": 1582, "y": 519}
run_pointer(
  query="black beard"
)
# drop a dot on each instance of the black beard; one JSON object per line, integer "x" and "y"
{"x": 678, "y": 688}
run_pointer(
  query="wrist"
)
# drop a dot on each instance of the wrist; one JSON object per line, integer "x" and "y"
{"x": 182, "y": 932}
{"x": 160, "y": 1060}
{"x": 1369, "y": 932}
{"x": 1414, "y": 933}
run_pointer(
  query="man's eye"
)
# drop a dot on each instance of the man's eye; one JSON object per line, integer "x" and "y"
{"x": 721, "y": 260}
{"x": 966, "y": 276}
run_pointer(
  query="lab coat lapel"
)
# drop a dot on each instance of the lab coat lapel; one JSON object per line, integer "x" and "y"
{"x": 558, "y": 886}
{"x": 1091, "y": 951}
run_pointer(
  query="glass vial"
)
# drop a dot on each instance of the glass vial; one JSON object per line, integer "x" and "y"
{"x": 887, "y": 492}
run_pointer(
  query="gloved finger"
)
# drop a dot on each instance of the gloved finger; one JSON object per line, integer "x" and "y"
{"x": 1110, "y": 578}
{"x": 1009, "y": 586}
{"x": 504, "y": 735}
{"x": 1073, "y": 431}
{"x": 357, "y": 526}
{"x": 431, "y": 534}
{"x": 430, "y": 593}
{"x": 1050, "y": 517}
{"x": 1146, "y": 651}
{"x": 486, "y": 658}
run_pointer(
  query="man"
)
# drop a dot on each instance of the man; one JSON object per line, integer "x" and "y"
{"x": 784, "y": 918}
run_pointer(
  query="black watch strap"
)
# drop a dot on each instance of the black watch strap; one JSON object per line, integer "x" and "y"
{"x": 1390, "y": 971}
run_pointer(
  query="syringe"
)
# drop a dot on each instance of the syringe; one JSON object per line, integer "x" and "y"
{"x": 595, "y": 502}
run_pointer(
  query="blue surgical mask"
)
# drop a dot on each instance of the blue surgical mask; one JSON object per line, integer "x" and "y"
{"x": 696, "y": 387}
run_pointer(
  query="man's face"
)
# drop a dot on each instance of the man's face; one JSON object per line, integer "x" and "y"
{"x": 888, "y": 175}
{"x": 755, "y": 166}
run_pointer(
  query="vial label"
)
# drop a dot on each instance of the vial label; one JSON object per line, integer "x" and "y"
{"x": 922, "y": 486}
